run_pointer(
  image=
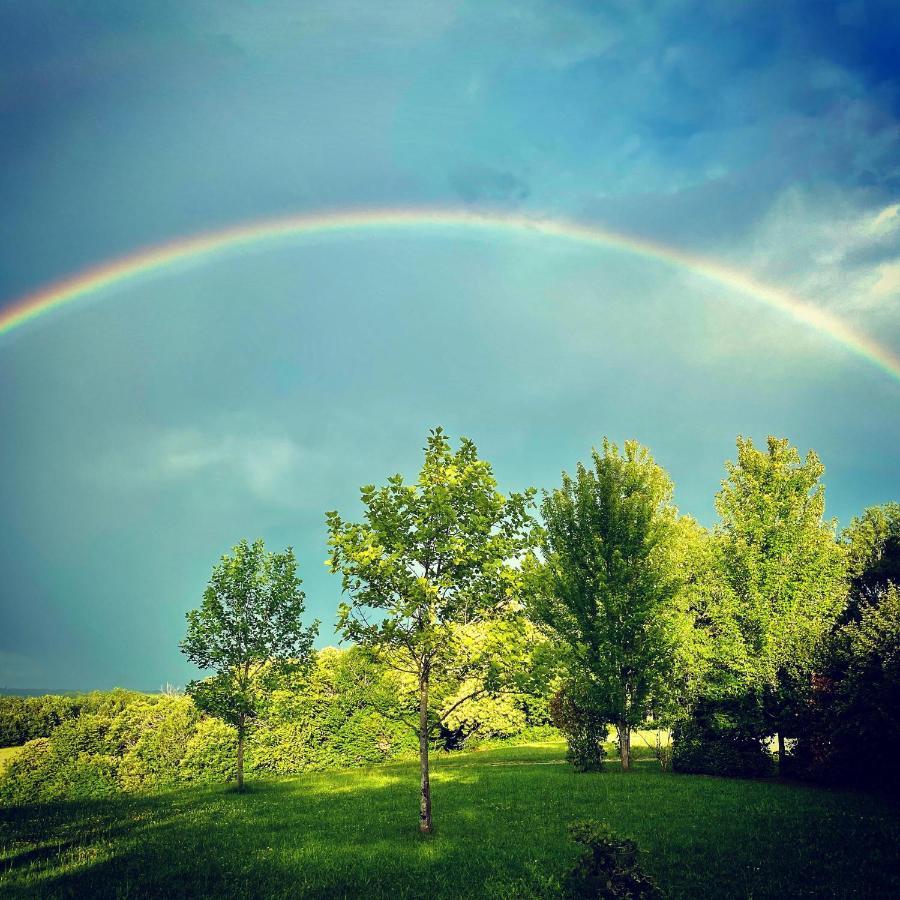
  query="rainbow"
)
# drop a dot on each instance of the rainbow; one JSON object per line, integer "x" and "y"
{"x": 208, "y": 245}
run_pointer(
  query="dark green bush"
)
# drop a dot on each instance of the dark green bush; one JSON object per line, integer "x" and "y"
{"x": 582, "y": 725}
{"x": 608, "y": 866}
{"x": 723, "y": 737}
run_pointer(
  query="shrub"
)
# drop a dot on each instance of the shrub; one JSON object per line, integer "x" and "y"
{"x": 849, "y": 727}
{"x": 85, "y": 777}
{"x": 608, "y": 866}
{"x": 583, "y": 727}
{"x": 152, "y": 736}
{"x": 723, "y": 737}
{"x": 24, "y": 719}
{"x": 85, "y": 735}
{"x": 26, "y": 778}
{"x": 210, "y": 753}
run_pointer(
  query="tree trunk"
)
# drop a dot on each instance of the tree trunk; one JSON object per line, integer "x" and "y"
{"x": 624, "y": 745}
{"x": 425, "y": 799}
{"x": 780, "y": 753}
{"x": 240, "y": 760}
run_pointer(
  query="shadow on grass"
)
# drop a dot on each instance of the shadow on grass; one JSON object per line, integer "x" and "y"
{"x": 500, "y": 831}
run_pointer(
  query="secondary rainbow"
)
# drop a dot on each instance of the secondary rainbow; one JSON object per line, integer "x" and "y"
{"x": 202, "y": 247}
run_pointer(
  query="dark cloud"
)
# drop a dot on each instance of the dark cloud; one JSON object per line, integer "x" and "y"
{"x": 483, "y": 184}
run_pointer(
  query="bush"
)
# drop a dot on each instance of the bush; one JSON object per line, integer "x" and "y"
{"x": 725, "y": 737}
{"x": 151, "y": 736}
{"x": 849, "y": 726}
{"x": 210, "y": 756}
{"x": 26, "y": 778}
{"x": 24, "y": 719}
{"x": 607, "y": 867}
{"x": 584, "y": 729}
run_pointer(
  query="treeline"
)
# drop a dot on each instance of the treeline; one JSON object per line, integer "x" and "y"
{"x": 471, "y": 615}
{"x": 342, "y": 711}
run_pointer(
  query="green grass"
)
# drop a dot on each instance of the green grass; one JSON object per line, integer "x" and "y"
{"x": 500, "y": 816}
{"x": 7, "y": 754}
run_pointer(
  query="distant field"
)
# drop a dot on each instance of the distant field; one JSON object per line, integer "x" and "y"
{"x": 7, "y": 754}
{"x": 501, "y": 818}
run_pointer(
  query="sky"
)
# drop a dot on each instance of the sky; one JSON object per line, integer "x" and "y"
{"x": 146, "y": 429}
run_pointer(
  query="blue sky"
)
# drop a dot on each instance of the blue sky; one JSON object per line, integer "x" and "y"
{"x": 145, "y": 432}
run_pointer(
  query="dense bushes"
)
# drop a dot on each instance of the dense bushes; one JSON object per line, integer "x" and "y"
{"x": 722, "y": 738}
{"x": 344, "y": 711}
{"x": 849, "y": 724}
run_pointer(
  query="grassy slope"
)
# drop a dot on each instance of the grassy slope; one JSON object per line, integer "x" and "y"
{"x": 7, "y": 754}
{"x": 501, "y": 820}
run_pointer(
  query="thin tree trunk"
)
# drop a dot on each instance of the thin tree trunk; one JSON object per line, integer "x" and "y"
{"x": 780, "y": 753}
{"x": 240, "y": 760}
{"x": 625, "y": 746}
{"x": 425, "y": 799}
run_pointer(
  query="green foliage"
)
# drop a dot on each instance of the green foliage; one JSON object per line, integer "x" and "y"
{"x": 249, "y": 632}
{"x": 209, "y": 753}
{"x": 24, "y": 719}
{"x": 430, "y": 565}
{"x": 784, "y": 571}
{"x": 344, "y": 711}
{"x": 608, "y": 583}
{"x": 608, "y": 866}
{"x": 850, "y": 724}
{"x": 584, "y": 727}
{"x": 27, "y": 777}
{"x": 873, "y": 547}
{"x": 775, "y": 583}
{"x": 723, "y": 737}
{"x": 152, "y": 737}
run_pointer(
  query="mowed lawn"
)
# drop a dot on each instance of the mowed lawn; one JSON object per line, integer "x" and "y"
{"x": 500, "y": 816}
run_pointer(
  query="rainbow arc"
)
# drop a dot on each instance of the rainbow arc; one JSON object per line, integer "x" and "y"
{"x": 198, "y": 248}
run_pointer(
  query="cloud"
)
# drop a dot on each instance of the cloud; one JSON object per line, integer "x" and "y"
{"x": 263, "y": 465}
{"x": 483, "y": 184}
{"x": 831, "y": 247}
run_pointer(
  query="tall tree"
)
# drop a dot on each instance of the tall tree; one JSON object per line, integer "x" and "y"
{"x": 430, "y": 561}
{"x": 247, "y": 631}
{"x": 873, "y": 546}
{"x": 782, "y": 565}
{"x": 607, "y": 584}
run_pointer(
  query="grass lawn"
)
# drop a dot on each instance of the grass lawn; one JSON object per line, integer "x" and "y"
{"x": 500, "y": 818}
{"x": 7, "y": 754}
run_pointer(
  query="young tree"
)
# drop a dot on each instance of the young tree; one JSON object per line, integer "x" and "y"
{"x": 430, "y": 562}
{"x": 607, "y": 584}
{"x": 247, "y": 630}
{"x": 782, "y": 566}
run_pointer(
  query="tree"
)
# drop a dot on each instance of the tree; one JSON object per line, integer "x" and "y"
{"x": 873, "y": 546}
{"x": 431, "y": 562}
{"x": 607, "y": 584}
{"x": 248, "y": 631}
{"x": 784, "y": 572}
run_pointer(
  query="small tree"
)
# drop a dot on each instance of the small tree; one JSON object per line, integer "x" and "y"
{"x": 430, "y": 563}
{"x": 784, "y": 572}
{"x": 247, "y": 630}
{"x": 608, "y": 580}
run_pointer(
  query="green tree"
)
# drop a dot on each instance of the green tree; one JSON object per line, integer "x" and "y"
{"x": 247, "y": 631}
{"x": 430, "y": 561}
{"x": 873, "y": 546}
{"x": 784, "y": 572}
{"x": 608, "y": 584}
